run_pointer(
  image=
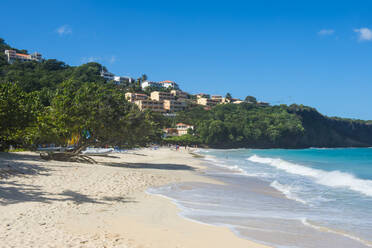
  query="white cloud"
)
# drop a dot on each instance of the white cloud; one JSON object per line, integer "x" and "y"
{"x": 364, "y": 34}
{"x": 89, "y": 59}
{"x": 64, "y": 30}
{"x": 326, "y": 32}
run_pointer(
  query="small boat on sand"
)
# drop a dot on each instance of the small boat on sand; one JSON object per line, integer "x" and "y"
{"x": 97, "y": 151}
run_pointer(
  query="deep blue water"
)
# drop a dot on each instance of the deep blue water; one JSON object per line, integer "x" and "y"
{"x": 302, "y": 198}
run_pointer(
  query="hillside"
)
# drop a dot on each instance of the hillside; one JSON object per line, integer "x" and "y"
{"x": 50, "y": 102}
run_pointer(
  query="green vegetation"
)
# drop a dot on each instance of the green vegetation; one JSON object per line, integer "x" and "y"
{"x": 51, "y": 102}
{"x": 254, "y": 126}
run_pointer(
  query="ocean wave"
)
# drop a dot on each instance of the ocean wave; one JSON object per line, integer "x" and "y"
{"x": 287, "y": 190}
{"x": 334, "y": 179}
{"x": 326, "y": 229}
{"x": 234, "y": 168}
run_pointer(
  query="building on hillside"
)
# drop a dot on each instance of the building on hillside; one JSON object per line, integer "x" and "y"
{"x": 107, "y": 75}
{"x": 217, "y": 97}
{"x": 179, "y": 94}
{"x": 169, "y": 84}
{"x": 132, "y": 97}
{"x": 12, "y": 56}
{"x": 146, "y": 84}
{"x": 161, "y": 95}
{"x": 123, "y": 80}
{"x": 238, "y": 102}
{"x": 183, "y": 128}
{"x": 207, "y": 102}
{"x": 174, "y": 106}
{"x": 155, "y": 106}
{"x": 263, "y": 103}
{"x": 202, "y": 95}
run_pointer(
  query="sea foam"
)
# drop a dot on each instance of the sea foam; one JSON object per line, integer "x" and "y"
{"x": 287, "y": 190}
{"x": 335, "y": 179}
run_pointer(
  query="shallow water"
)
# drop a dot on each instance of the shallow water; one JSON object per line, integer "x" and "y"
{"x": 285, "y": 198}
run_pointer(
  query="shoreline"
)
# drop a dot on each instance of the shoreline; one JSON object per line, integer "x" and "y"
{"x": 79, "y": 205}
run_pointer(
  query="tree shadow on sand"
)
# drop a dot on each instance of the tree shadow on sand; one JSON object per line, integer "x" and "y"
{"x": 12, "y": 193}
{"x": 150, "y": 166}
{"x": 13, "y": 165}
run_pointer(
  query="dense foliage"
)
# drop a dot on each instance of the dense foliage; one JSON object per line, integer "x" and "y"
{"x": 295, "y": 126}
{"x": 51, "y": 102}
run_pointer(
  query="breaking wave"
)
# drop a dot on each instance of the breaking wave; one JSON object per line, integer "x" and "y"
{"x": 287, "y": 190}
{"x": 335, "y": 179}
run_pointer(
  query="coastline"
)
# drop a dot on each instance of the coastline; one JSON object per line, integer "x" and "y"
{"x": 54, "y": 204}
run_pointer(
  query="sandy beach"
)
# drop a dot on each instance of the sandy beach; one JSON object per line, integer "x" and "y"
{"x": 64, "y": 204}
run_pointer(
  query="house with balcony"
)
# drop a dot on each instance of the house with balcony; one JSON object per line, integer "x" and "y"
{"x": 146, "y": 84}
{"x": 12, "y": 56}
{"x": 171, "y": 106}
{"x": 169, "y": 84}
{"x": 161, "y": 95}
{"x": 183, "y": 128}
{"x": 151, "y": 105}
{"x": 179, "y": 94}
{"x": 132, "y": 97}
{"x": 207, "y": 102}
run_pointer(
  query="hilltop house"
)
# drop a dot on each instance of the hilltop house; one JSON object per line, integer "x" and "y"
{"x": 117, "y": 79}
{"x": 12, "y": 56}
{"x": 169, "y": 84}
{"x": 162, "y": 84}
{"x": 107, "y": 75}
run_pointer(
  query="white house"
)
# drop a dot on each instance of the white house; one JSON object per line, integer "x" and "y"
{"x": 107, "y": 75}
{"x": 12, "y": 55}
{"x": 183, "y": 128}
{"x": 121, "y": 79}
{"x": 150, "y": 84}
{"x": 169, "y": 84}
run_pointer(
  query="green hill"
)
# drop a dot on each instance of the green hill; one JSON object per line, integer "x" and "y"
{"x": 50, "y": 101}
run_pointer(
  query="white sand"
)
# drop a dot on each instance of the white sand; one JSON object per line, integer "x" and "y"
{"x": 63, "y": 204}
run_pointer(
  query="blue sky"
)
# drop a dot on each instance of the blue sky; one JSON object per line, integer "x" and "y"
{"x": 317, "y": 53}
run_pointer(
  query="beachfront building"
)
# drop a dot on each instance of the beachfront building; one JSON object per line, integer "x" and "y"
{"x": 183, "y": 128}
{"x": 155, "y": 106}
{"x": 161, "y": 95}
{"x": 12, "y": 56}
{"x": 207, "y": 102}
{"x": 174, "y": 106}
{"x": 132, "y": 97}
{"x": 179, "y": 94}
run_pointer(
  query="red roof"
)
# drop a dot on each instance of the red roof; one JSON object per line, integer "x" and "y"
{"x": 22, "y": 55}
{"x": 182, "y": 124}
{"x": 166, "y": 81}
{"x": 138, "y": 94}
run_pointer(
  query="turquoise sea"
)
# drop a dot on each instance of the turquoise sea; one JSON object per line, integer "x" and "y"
{"x": 285, "y": 198}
